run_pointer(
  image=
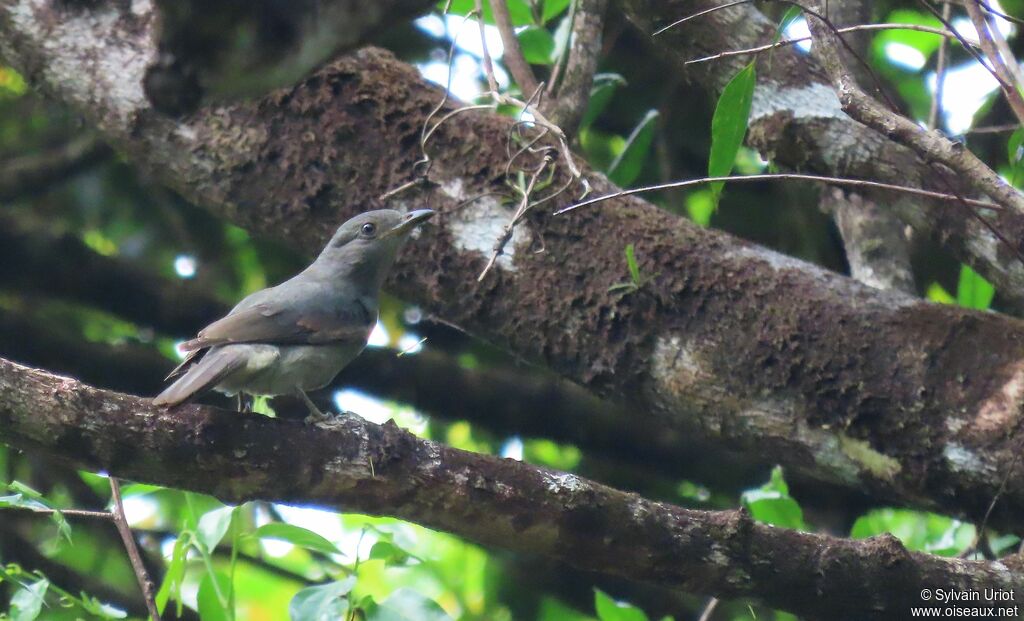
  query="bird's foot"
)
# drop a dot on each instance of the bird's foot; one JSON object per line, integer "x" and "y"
{"x": 315, "y": 415}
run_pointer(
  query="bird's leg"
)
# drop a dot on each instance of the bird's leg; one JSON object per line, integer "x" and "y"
{"x": 244, "y": 405}
{"x": 315, "y": 415}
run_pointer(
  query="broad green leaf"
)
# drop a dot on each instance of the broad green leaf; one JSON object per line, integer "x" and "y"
{"x": 610, "y": 610}
{"x": 973, "y": 291}
{"x": 213, "y": 526}
{"x": 630, "y": 162}
{"x": 553, "y": 8}
{"x": 631, "y": 264}
{"x": 211, "y": 608}
{"x": 323, "y": 602}
{"x": 390, "y": 553}
{"x": 604, "y": 86}
{"x": 296, "y": 535}
{"x": 406, "y": 605}
{"x": 772, "y": 504}
{"x": 729, "y": 125}
{"x": 538, "y": 45}
{"x": 27, "y": 602}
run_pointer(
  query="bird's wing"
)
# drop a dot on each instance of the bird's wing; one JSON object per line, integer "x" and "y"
{"x": 283, "y": 324}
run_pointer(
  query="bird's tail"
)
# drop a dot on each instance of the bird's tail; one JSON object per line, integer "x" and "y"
{"x": 201, "y": 376}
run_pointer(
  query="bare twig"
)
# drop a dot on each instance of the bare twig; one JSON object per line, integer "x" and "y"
{"x": 768, "y": 177}
{"x": 930, "y": 145}
{"x": 130, "y": 546}
{"x": 1004, "y": 51}
{"x": 980, "y": 537}
{"x": 84, "y": 513}
{"x": 698, "y": 14}
{"x": 1007, "y": 80}
{"x": 858, "y": 28}
{"x": 940, "y": 74}
{"x": 513, "y": 55}
{"x": 524, "y": 206}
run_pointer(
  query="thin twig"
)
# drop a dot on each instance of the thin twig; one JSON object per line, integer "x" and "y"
{"x": 1007, "y": 81}
{"x": 845, "y": 30}
{"x": 1004, "y": 50}
{"x": 524, "y": 206}
{"x": 940, "y": 74}
{"x": 696, "y": 15}
{"x": 132, "y": 548}
{"x": 709, "y": 609}
{"x": 747, "y": 178}
{"x": 513, "y": 54}
{"x": 83, "y": 513}
{"x": 992, "y": 505}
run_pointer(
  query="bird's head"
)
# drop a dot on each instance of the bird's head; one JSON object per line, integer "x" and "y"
{"x": 365, "y": 246}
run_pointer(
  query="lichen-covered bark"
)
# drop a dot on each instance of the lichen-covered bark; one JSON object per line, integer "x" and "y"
{"x": 917, "y": 403}
{"x": 383, "y": 470}
{"x": 797, "y": 121}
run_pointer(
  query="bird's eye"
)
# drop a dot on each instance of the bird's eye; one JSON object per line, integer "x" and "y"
{"x": 369, "y": 229}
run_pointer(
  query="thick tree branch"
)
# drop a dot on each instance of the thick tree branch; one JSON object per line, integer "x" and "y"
{"x": 915, "y": 402}
{"x": 382, "y": 470}
{"x": 34, "y": 259}
{"x": 797, "y": 121}
{"x": 876, "y": 249}
{"x": 34, "y": 174}
{"x": 220, "y": 49}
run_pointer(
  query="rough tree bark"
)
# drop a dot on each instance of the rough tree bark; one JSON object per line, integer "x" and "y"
{"x": 358, "y": 466}
{"x": 914, "y": 402}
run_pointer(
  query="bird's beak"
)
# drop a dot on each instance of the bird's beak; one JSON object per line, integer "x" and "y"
{"x": 411, "y": 221}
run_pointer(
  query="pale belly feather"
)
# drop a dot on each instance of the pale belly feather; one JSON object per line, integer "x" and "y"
{"x": 284, "y": 369}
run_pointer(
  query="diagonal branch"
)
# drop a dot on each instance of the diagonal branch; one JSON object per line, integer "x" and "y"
{"x": 513, "y": 53}
{"x": 571, "y": 93}
{"x": 382, "y": 470}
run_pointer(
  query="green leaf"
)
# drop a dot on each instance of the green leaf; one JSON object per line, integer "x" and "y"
{"x": 610, "y": 610}
{"x": 27, "y": 602}
{"x": 729, "y": 125}
{"x": 296, "y": 535}
{"x": 213, "y": 526}
{"x": 1015, "y": 155}
{"x": 174, "y": 577}
{"x": 629, "y": 163}
{"x": 936, "y": 293}
{"x": 323, "y": 602}
{"x": 972, "y": 290}
{"x": 631, "y": 264}
{"x": 518, "y": 10}
{"x": 772, "y": 504}
{"x": 553, "y": 8}
{"x": 390, "y": 553}
{"x": 926, "y": 532}
{"x": 700, "y": 205}
{"x": 538, "y": 45}
{"x": 211, "y": 608}
{"x": 604, "y": 86}
{"x": 406, "y": 605}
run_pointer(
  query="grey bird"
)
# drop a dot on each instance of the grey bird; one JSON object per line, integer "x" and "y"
{"x": 297, "y": 336}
